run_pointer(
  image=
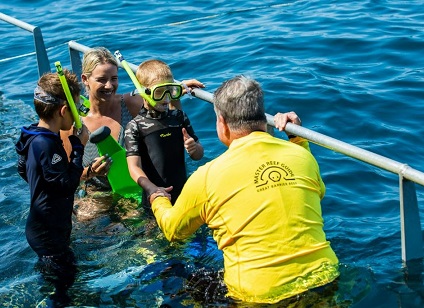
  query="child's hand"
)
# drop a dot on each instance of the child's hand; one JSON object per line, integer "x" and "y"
{"x": 189, "y": 143}
{"x": 193, "y": 148}
{"x": 190, "y": 84}
{"x": 161, "y": 192}
{"x": 82, "y": 134}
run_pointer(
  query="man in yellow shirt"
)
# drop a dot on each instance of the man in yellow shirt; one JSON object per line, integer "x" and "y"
{"x": 261, "y": 198}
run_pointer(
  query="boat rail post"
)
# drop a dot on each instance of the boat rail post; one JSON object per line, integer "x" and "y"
{"x": 411, "y": 234}
{"x": 40, "y": 50}
{"x": 76, "y": 62}
{"x": 74, "y": 54}
{"x": 43, "y": 63}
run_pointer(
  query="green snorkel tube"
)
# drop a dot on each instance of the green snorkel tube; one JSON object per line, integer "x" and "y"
{"x": 140, "y": 88}
{"x": 75, "y": 115}
{"x": 84, "y": 107}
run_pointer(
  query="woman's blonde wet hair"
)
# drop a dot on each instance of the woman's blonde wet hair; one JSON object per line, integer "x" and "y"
{"x": 94, "y": 57}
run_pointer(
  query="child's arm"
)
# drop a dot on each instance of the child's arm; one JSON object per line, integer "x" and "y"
{"x": 22, "y": 167}
{"x": 132, "y": 139}
{"x": 60, "y": 176}
{"x": 138, "y": 175}
{"x": 78, "y": 140}
{"x": 191, "y": 142}
{"x": 190, "y": 84}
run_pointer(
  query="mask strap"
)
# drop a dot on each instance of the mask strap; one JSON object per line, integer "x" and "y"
{"x": 44, "y": 97}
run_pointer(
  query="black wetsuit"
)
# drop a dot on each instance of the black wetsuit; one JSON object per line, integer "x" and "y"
{"x": 52, "y": 180}
{"x": 159, "y": 142}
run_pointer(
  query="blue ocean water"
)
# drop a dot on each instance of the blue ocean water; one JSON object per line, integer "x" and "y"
{"x": 352, "y": 70}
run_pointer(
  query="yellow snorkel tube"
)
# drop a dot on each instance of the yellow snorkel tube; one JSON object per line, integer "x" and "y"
{"x": 69, "y": 98}
{"x": 140, "y": 88}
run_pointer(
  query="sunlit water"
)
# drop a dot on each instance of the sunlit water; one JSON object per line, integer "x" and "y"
{"x": 351, "y": 70}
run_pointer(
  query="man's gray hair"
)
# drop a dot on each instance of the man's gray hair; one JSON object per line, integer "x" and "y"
{"x": 240, "y": 101}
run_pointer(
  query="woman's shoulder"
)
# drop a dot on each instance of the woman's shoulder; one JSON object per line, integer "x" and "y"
{"x": 132, "y": 102}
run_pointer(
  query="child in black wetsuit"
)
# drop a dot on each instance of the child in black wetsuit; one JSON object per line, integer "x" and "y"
{"x": 158, "y": 137}
{"x": 52, "y": 178}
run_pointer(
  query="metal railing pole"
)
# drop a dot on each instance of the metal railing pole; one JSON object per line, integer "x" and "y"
{"x": 43, "y": 63}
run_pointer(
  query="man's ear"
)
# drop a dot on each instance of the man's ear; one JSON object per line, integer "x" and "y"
{"x": 223, "y": 126}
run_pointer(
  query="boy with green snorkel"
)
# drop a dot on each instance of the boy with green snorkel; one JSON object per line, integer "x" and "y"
{"x": 157, "y": 139}
{"x": 52, "y": 177}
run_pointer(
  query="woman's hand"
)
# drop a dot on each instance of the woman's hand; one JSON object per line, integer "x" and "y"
{"x": 99, "y": 166}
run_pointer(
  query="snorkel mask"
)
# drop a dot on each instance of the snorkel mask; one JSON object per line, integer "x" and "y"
{"x": 142, "y": 91}
{"x": 84, "y": 106}
{"x": 158, "y": 92}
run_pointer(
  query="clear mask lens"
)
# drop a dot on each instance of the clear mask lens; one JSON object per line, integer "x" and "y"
{"x": 174, "y": 90}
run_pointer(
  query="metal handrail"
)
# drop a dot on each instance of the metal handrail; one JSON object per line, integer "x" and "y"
{"x": 40, "y": 50}
{"x": 411, "y": 234}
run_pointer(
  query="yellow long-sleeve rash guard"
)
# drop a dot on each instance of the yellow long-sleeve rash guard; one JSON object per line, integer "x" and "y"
{"x": 262, "y": 199}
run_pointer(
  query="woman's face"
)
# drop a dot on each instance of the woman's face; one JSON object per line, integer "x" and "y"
{"x": 103, "y": 82}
